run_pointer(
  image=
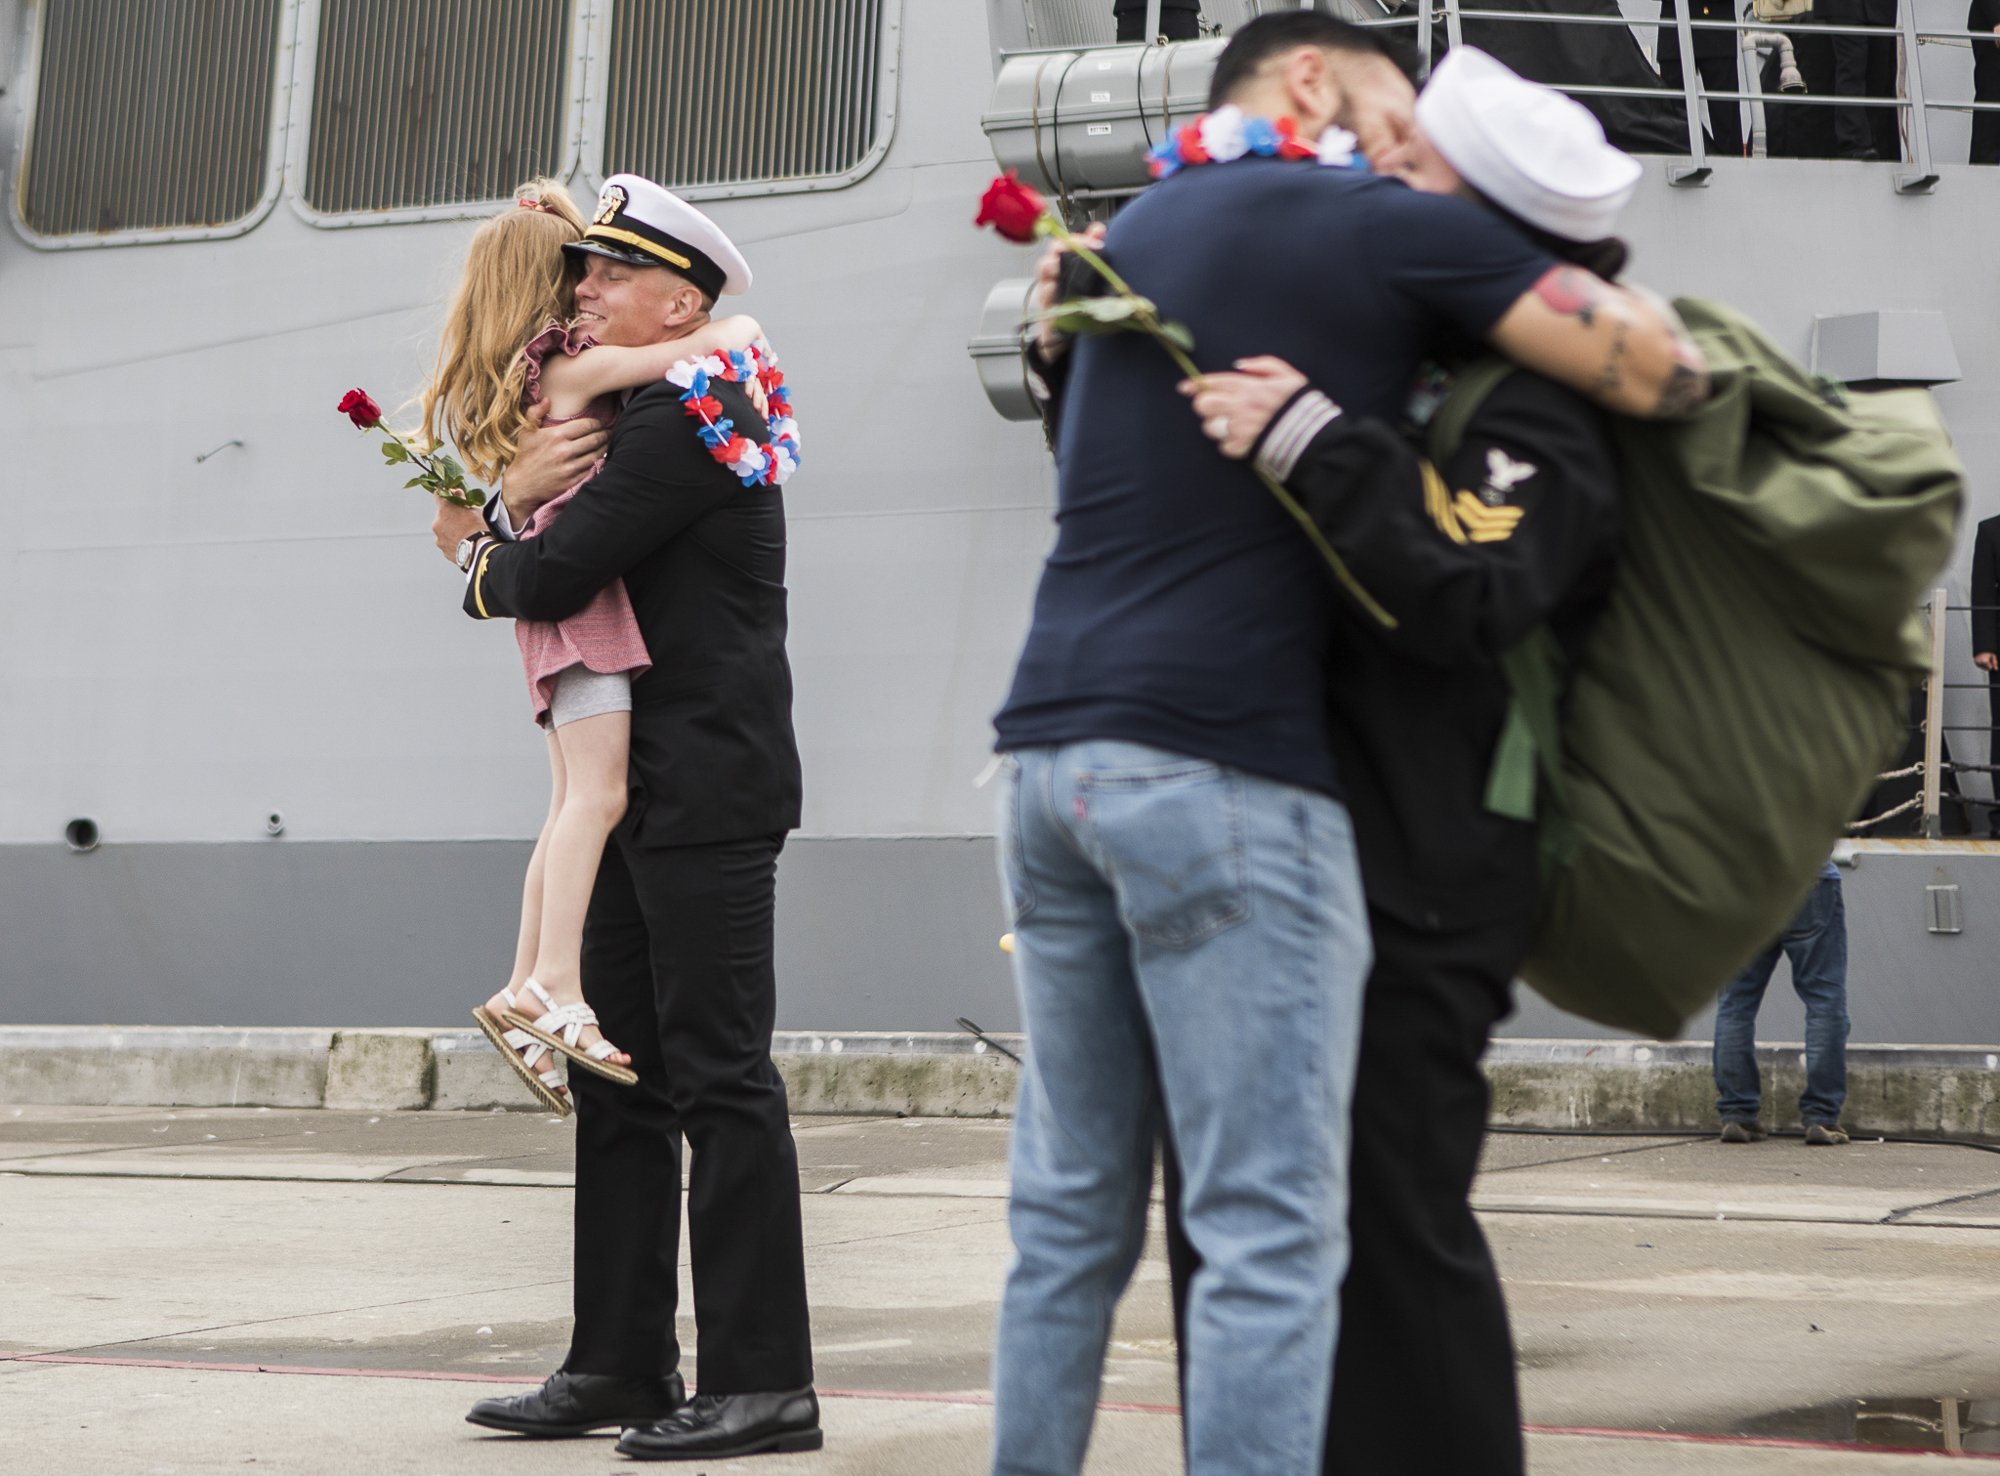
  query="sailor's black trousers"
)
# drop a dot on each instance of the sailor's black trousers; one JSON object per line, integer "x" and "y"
{"x": 1422, "y": 1315}
{"x": 678, "y": 963}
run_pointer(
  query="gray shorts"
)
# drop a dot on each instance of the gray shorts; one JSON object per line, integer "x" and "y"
{"x": 583, "y": 693}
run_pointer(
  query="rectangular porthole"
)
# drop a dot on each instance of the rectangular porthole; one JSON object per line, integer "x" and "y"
{"x": 442, "y": 103}
{"x": 721, "y": 92}
{"x": 149, "y": 115}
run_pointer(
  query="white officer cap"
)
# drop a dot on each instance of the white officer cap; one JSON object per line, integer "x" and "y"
{"x": 1526, "y": 147}
{"x": 639, "y": 222}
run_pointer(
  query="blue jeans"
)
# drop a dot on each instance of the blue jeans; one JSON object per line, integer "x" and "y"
{"x": 1816, "y": 943}
{"x": 1190, "y": 945}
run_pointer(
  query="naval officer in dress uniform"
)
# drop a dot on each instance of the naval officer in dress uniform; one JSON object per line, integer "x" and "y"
{"x": 677, "y": 948}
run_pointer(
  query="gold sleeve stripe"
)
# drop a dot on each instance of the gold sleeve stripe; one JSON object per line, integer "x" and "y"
{"x": 632, "y": 238}
{"x": 479, "y": 578}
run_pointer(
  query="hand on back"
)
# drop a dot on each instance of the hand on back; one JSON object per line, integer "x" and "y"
{"x": 1048, "y": 277}
{"x": 550, "y": 460}
{"x": 1235, "y": 408}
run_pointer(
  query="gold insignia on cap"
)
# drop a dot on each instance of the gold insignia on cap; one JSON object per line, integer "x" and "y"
{"x": 609, "y": 204}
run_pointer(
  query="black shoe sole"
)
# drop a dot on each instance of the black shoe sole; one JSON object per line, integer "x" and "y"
{"x": 788, "y": 1442}
{"x": 555, "y": 1432}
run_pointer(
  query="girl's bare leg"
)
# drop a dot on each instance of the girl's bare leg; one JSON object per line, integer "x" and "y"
{"x": 531, "y": 889}
{"x": 594, "y": 753}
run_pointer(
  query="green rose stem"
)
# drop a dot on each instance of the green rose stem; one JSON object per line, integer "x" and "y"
{"x": 440, "y": 475}
{"x": 1148, "y": 318}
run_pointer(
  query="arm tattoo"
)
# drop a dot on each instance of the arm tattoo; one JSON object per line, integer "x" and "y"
{"x": 1685, "y": 388}
{"x": 1572, "y": 292}
{"x": 1611, "y": 377}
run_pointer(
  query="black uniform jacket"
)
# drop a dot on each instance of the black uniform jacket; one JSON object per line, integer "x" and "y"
{"x": 1986, "y": 586}
{"x": 1519, "y": 529}
{"x": 1706, "y": 43}
{"x": 703, "y": 559}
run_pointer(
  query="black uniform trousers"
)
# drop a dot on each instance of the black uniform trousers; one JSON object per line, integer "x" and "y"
{"x": 1863, "y": 66}
{"x": 1718, "y": 74}
{"x": 678, "y": 964}
{"x": 1421, "y": 1310}
{"x": 1180, "y": 20}
{"x": 1983, "y": 15}
{"x": 1993, "y": 741}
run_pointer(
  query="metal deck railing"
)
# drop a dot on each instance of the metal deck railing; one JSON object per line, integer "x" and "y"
{"x": 1933, "y": 766}
{"x": 1916, "y": 174}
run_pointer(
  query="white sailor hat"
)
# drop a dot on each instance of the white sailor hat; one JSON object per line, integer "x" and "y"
{"x": 1526, "y": 147}
{"x": 639, "y": 222}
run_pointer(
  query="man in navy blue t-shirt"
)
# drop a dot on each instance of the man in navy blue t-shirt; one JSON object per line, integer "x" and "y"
{"x": 1190, "y": 933}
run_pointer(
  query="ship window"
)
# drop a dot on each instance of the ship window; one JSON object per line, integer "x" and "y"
{"x": 719, "y": 92}
{"x": 150, "y": 116}
{"x": 436, "y": 103}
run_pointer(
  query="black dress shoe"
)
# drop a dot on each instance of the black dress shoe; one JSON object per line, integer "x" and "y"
{"x": 714, "y": 1426}
{"x": 576, "y": 1404}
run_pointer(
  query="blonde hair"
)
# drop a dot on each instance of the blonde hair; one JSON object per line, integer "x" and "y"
{"x": 516, "y": 282}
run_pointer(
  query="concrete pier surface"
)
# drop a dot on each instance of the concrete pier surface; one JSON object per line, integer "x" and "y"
{"x": 306, "y": 1291}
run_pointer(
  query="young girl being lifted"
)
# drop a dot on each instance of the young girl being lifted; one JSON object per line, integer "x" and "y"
{"x": 510, "y": 342}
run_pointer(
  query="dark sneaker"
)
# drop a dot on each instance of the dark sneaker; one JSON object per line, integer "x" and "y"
{"x": 1741, "y": 1132}
{"x": 1824, "y": 1135}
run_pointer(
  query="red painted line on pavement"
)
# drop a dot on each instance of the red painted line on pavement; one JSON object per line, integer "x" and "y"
{"x": 984, "y": 1400}
{"x": 1764, "y": 1442}
{"x": 192, "y": 1365}
{"x": 978, "y": 1400}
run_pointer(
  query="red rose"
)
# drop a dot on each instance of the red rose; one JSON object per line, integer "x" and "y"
{"x": 357, "y": 407}
{"x": 1011, "y": 208}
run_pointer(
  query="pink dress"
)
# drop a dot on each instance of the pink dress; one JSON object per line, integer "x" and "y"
{"x": 604, "y": 635}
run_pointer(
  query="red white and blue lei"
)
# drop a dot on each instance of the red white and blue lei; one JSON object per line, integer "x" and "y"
{"x": 1229, "y": 133}
{"x": 759, "y": 463}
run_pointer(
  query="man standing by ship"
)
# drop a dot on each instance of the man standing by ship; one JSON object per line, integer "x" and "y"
{"x": 678, "y": 947}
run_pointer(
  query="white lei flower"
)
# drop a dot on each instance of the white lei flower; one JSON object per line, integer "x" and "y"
{"x": 1338, "y": 147}
{"x": 1222, "y": 134}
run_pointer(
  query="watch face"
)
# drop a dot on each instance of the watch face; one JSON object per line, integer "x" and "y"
{"x": 464, "y": 552}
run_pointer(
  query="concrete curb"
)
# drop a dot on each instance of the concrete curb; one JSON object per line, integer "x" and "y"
{"x": 138, "y": 1066}
{"x": 1925, "y": 1091}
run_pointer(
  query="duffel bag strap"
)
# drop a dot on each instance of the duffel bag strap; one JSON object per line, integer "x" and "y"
{"x": 1530, "y": 744}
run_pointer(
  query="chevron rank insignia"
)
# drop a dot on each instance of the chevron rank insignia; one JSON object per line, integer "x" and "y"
{"x": 1465, "y": 518}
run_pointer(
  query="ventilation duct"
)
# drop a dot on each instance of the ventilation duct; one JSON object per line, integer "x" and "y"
{"x": 435, "y": 104}
{"x": 1079, "y": 123}
{"x": 149, "y": 114}
{"x": 996, "y": 350}
{"x": 742, "y": 91}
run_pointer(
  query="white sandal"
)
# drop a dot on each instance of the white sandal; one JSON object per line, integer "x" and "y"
{"x": 560, "y": 1029}
{"x": 524, "y": 1053}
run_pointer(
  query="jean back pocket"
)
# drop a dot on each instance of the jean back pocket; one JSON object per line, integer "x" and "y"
{"x": 1172, "y": 836}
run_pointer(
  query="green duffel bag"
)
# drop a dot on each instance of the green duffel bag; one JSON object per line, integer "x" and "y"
{"x": 1748, "y": 678}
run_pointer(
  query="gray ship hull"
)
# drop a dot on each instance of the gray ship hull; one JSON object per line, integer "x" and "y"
{"x": 190, "y": 648}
